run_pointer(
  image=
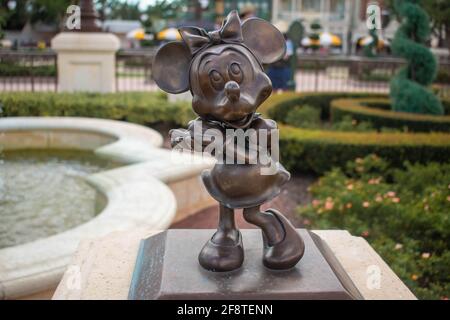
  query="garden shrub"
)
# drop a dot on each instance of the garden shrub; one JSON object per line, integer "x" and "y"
{"x": 142, "y": 108}
{"x": 279, "y": 105}
{"x": 373, "y": 111}
{"x": 304, "y": 150}
{"x": 304, "y": 117}
{"x": 409, "y": 92}
{"x": 348, "y": 124}
{"x": 16, "y": 70}
{"x": 404, "y": 214}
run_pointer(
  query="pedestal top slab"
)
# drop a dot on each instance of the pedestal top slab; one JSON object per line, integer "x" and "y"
{"x": 85, "y": 41}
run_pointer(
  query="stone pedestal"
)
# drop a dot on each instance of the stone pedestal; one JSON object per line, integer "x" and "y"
{"x": 86, "y": 61}
{"x": 167, "y": 268}
{"x": 103, "y": 268}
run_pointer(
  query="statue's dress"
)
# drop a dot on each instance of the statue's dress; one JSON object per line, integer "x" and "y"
{"x": 244, "y": 185}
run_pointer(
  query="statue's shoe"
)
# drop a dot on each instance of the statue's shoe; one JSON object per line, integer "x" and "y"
{"x": 221, "y": 258}
{"x": 286, "y": 253}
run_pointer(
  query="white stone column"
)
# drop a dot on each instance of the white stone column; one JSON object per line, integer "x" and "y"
{"x": 86, "y": 61}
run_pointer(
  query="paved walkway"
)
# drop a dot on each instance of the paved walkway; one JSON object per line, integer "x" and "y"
{"x": 294, "y": 194}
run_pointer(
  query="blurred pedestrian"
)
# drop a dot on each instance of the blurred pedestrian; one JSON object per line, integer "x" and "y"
{"x": 280, "y": 72}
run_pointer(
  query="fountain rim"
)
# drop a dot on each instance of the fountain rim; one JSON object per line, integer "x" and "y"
{"x": 38, "y": 265}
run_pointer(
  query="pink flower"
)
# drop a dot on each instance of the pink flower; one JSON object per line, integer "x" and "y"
{"x": 315, "y": 203}
{"x": 391, "y": 194}
{"x": 448, "y": 198}
{"x": 329, "y": 205}
{"x": 350, "y": 187}
{"x": 374, "y": 181}
{"x": 426, "y": 255}
{"x": 365, "y": 233}
{"x": 379, "y": 198}
{"x": 366, "y": 204}
{"x": 306, "y": 222}
{"x": 349, "y": 205}
{"x": 396, "y": 200}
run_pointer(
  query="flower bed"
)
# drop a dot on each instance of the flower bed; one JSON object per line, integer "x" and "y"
{"x": 403, "y": 213}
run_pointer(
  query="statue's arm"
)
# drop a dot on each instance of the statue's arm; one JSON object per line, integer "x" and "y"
{"x": 195, "y": 136}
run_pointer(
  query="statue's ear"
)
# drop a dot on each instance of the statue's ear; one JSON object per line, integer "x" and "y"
{"x": 171, "y": 67}
{"x": 264, "y": 40}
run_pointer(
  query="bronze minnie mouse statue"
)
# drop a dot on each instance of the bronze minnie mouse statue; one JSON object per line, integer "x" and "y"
{"x": 224, "y": 71}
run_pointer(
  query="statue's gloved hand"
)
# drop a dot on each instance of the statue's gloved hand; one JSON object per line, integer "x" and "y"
{"x": 180, "y": 138}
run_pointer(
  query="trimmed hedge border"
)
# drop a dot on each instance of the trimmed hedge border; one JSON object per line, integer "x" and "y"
{"x": 141, "y": 108}
{"x": 360, "y": 109}
{"x": 285, "y": 102}
{"x": 302, "y": 150}
{"x": 305, "y": 150}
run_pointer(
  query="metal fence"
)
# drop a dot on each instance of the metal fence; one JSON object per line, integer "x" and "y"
{"x": 134, "y": 70}
{"x": 345, "y": 74}
{"x": 37, "y": 71}
{"x": 28, "y": 71}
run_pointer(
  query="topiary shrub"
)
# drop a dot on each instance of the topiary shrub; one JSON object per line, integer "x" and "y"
{"x": 408, "y": 88}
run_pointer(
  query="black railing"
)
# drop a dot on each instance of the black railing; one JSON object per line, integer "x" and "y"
{"x": 37, "y": 71}
{"x": 28, "y": 71}
{"x": 134, "y": 70}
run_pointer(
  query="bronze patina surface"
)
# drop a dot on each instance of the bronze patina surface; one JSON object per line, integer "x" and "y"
{"x": 167, "y": 268}
{"x": 224, "y": 71}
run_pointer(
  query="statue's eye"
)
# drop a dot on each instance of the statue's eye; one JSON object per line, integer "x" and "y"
{"x": 235, "y": 72}
{"x": 216, "y": 80}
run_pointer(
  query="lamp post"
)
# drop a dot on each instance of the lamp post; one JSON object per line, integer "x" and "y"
{"x": 89, "y": 17}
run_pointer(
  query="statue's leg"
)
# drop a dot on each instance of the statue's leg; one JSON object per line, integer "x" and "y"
{"x": 283, "y": 246}
{"x": 224, "y": 251}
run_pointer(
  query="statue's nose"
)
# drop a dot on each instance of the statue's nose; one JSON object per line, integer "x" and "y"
{"x": 232, "y": 90}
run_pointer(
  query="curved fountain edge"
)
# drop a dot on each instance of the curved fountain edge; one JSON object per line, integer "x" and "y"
{"x": 38, "y": 266}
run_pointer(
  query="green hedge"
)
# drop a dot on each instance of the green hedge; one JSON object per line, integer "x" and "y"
{"x": 368, "y": 109}
{"x": 142, "y": 108}
{"x": 16, "y": 70}
{"x": 301, "y": 149}
{"x": 278, "y": 106}
{"x": 318, "y": 151}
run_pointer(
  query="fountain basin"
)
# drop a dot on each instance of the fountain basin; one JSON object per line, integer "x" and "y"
{"x": 149, "y": 190}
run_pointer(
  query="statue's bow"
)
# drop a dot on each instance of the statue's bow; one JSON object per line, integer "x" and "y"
{"x": 198, "y": 38}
